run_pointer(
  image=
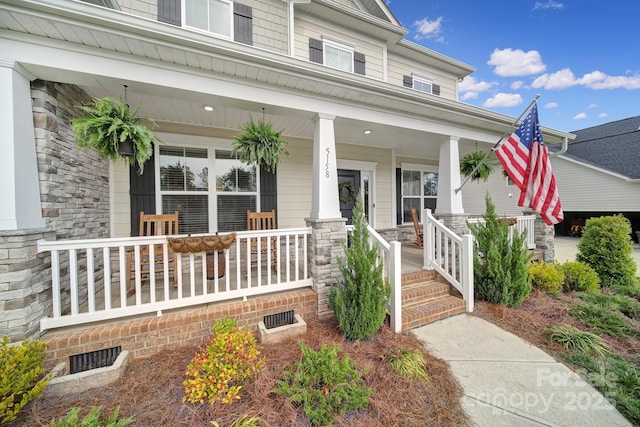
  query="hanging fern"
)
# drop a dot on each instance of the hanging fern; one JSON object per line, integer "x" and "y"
{"x": 469, "y": 163}
{"x": 109, "y": 122}
{"x": 259, "y": 144}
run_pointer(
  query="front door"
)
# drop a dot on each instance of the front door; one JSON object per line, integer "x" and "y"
{"x": 348, "y": 187}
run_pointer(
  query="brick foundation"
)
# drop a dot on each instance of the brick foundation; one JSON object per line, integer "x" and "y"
{"x": 147, "y": 336}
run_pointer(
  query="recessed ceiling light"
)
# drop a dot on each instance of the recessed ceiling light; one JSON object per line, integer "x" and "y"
{"x": 367, "y": 132}
{"x": 207, "y": 108}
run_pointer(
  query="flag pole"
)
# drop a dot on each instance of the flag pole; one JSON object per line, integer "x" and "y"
{"x": 497, "y": 144}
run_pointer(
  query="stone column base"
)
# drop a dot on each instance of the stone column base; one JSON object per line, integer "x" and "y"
{"x": 455, "y": 222}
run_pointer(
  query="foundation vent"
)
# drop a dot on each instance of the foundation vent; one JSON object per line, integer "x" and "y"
{"x": 278, "y": 319}
{"x": 93, "y": 359}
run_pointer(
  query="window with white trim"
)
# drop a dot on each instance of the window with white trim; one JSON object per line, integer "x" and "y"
{"x": 337, "y": 55}
{"x": 187, "y": 187}
{"x": 419, "y": 191}
{"x": 423, "y": 85}
{"x": 214, "y": 16}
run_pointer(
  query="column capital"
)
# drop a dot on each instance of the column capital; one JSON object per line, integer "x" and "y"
{"x": 324, "y": 116}
{"x": 18, "y": 68}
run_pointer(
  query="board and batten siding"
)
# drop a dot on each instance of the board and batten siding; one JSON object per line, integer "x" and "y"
{"x": 305, "y": 29}
{"x": 399, "y": 67}
{"x": 583, "y": 188}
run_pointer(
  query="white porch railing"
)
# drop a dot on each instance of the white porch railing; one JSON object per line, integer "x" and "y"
{"x": 89, "y": 278}
{"x": 524, "y": 223}
{"x": 450, "y": 255}
{"x": 389, "y": 254}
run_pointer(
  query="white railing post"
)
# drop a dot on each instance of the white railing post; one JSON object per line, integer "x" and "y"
{"x": 427, "y": 234}
{"x": 395, "y": 280}
{"x": 467, "y": 271}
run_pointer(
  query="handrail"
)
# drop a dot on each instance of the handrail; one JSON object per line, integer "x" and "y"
{"x": 524, "y": 222}
{"x": 450, "y": 255}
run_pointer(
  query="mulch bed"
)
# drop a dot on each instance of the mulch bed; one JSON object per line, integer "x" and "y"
{"x": 151, "y": 391}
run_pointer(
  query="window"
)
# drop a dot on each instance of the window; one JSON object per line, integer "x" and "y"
{"x": 338, "y": 56}
{"x": 419, "y": 191}
{"x": 423, "y": 85}
{"x": 215, "y": 16}
{"x": 186, "y": 186}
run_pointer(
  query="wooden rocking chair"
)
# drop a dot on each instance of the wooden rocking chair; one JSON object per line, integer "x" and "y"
{"x": 153, "y": 225}
{"x": 262, "y": 221}
{"x": 419, "y": 237}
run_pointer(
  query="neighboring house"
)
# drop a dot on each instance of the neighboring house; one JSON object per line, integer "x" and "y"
{"x": 355, "y": 101}
{"x": 600, "y": 174}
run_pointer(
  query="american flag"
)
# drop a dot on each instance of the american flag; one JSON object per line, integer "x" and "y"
{"x": 526, "y": 160}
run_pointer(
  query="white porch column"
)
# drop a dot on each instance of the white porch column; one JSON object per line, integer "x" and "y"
{"x": 20, "y": 189}
{"x": 449, "y": 202}
{"x": 324, "y": 199}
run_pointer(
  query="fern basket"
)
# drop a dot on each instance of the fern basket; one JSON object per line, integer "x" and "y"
{"x": 468, "y": 165}
{"x": 258, "y": 144}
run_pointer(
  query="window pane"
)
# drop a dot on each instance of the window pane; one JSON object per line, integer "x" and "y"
{"x": 196, "y": 14}
{"x": 430, "y": 180}
{"x": 338, "y": 58}
{"x": 193, "y": 212}
{"x": 183, "y": 169}
{"x": 430, "y": 203}
{"x": 234, "y": 176}
{"x": 422, "y": 85}
{"x": 407, "y": 204}
{"x": 232, "y": 211}
{"x": 411, "y": 183}
{"x": 219, "y": 17}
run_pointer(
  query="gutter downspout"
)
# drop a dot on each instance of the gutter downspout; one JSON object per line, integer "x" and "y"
{"x": 291, "y": 29}
{"x": 565, "y": 146}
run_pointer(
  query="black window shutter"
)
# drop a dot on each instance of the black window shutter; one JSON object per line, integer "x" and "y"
{"x": 315, "y": 51}
{"x": 398, "y": 196}
{"x": 142, "y": 193}
{"x": 435, "y": 89}
{"x": 407, "y": 81}
{"x": 169, "y": 11}
{"x": 268, "y": 190}
{"x": 242, "y": 23}
{"x": 359, "y": 63}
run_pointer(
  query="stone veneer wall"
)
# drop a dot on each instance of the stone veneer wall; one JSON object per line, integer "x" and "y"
{"x": 74, "y": 192}
{"x": 324, "y": 250}
{"x": 544, "y": 239}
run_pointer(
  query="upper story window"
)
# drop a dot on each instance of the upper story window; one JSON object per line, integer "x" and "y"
{"x": 209, "y": 15}
{"x": 337, "y": 55}
{"x": 421, "y": 83}
{"x": 223, "y": 17}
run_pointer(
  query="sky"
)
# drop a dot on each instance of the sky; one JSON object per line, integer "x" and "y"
{"x": 581, "y": 56}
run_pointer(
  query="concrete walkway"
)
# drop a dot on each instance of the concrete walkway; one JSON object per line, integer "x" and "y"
{"x": 509, "y": 382}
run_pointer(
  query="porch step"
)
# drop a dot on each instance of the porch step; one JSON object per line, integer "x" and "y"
{"x": 427, "y": 297}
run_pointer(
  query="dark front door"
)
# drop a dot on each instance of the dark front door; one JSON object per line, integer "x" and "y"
{"x": 349, "y": 187}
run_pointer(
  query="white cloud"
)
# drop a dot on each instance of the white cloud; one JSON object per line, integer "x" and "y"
{"x": 429, "y": 29}
{"x": 517, "y": 84}
{"x": 509, "y": 62}
{"x": 470, "y": 87}
{"x": 551, "y": 105}
{"x": 580, "y": 116}
{"x": 593, "y": 106}
{"x": 595, "y": 80}
{"x": 549, "y": 4}
{"x": 503, "y": 100}
{"x": 603, "y": 115}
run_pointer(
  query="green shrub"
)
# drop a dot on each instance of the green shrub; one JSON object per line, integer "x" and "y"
{"x": 324, "y": 384}
{"x": 572, "y": 338}
{"x": 408, "y": 363}
{"x": 607, "y": 247}
{"x": 243, "y": 421}
{"x": 22, "y": 375}
{"x": 500, "y": 264}
{"x": 546, "y": 278}
{"x": 91, "y": 420}
{"x": 625, "y": 305}
{"x": 632, "y": 291}
{"x": 229, "y": 362}
{"x": 580, "y": 277}
{"x": 360, "y": 300}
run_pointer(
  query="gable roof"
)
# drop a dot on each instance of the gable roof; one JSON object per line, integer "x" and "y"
{"x": 613, "y": 146}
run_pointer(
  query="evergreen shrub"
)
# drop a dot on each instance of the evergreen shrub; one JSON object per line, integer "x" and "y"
{"x": 546, "y": 278}
{"x": 606, "y": 246}
{"x": 500, "y": 263}
{"x": 359, "y": 301}
{"x": 578, "y": 276}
